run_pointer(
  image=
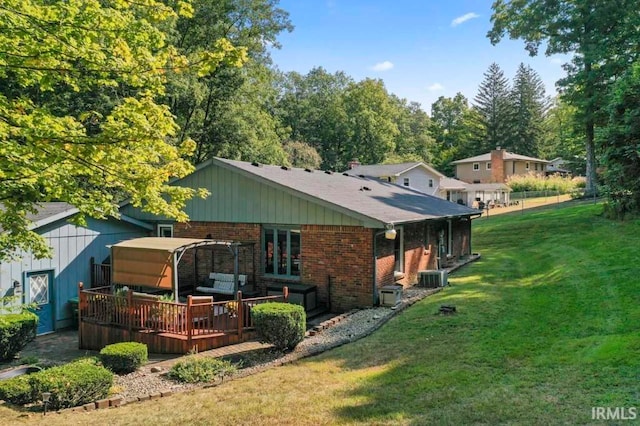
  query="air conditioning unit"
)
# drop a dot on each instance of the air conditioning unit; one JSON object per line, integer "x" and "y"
{"x": 390, "y": 295}
{"x": 433, "y": 279}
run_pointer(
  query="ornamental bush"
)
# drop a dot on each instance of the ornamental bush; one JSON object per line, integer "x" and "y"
{"x": 16, "y": 330}
{"x": 72, "y": 384}
{"x": 76, "y": 383}
{"x": 16, "y": 390}
{"x": 281, "y": 324}
{"x": 125, "y": 357}
{"x": 199, "y": 369}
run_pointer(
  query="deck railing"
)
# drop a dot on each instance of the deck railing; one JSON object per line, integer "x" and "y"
{"x": 194, "y": 318}
{"x": 100, "y": 274}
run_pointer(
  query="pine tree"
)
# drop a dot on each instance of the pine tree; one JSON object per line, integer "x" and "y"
{"x": 528, "y": 108}
{"x": 492, "y": 103}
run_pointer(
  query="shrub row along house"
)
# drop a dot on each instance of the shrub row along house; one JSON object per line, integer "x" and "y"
{"x": 335, "y": 238}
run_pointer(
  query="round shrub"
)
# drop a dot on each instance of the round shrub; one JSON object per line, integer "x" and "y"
{"x": 70, "y": 385}
{"x": 16, "y": 390}
{"x": 281, "y": 324}
{"x": 199, "y": 369}
{"x": 16, "y": 330}
{"x": 125, "y": 357}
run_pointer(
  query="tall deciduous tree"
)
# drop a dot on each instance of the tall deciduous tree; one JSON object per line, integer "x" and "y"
{"x": 312, "y": 107}
{"x": 456, "y": 128}
{"x": 203, "y": 103}
{"x": 413, "y": 141}
{"x": 602, "y": 36}
{"x": 528, "y": 108}
{"x": 563, "y": 136}
{"x": 372, "y": 129}
{"x": 492, "y": 102}
{"x": 621, "y": 156}
{"x": 91, "y": 158}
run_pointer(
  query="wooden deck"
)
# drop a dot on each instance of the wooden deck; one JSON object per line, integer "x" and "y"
{"x": 165, "y": 327}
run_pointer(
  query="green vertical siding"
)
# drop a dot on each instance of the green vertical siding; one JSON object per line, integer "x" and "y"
{"x": 240, "y": 199}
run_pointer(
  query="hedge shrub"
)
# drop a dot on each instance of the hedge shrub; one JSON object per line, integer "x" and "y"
{"x": 199, "y": 369}
{"x": 72, "y": 384}
{"x": 16, "y": 390}
{"x": 76, "y": 383}
{"x": 125, "y": 357}
{"x": 281, "y": 324}
{"x": 16, "y": 330}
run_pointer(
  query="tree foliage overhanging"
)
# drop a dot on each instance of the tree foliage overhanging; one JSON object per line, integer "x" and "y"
{"x": 79, "y": 116}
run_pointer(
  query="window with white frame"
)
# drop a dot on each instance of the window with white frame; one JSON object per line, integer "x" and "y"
{"x": 281, "y": 252}
{"x": 406, "y": 182}
{"x": 489, "y": 166}
{"x": 476, "y": 167}
{"x": 526, "y": 165}
{"x": 430, "y": 183}
{"x": 165, "y": 230}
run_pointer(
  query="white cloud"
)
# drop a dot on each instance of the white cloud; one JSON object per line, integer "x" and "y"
{"x": 556, "y": 61}
{"x": 435, "y": 87}
{"x": 382, "y": 66}
{"x": 464, "y": 18}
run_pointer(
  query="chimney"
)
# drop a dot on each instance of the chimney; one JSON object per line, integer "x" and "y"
{"x": 497, "y": 165}
{"x": 353, "y": 163}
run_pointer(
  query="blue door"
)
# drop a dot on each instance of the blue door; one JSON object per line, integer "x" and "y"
{"x": 41, "y": 294}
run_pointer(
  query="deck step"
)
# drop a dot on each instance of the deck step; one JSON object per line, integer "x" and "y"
{"x": 319, "y": 310}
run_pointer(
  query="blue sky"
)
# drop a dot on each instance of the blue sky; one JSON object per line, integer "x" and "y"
{"x": 421, "y": 49}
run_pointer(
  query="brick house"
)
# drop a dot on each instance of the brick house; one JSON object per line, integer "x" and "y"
{"x": 328, "y": 230}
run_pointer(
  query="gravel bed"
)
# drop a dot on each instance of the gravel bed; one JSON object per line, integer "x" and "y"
{"x": 351, "y": 327}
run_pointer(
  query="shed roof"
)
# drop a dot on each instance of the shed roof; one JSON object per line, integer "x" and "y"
{"x": 488, "y": 187}
{"x": 453, "y": 184}
{"x": 364, "y": 199}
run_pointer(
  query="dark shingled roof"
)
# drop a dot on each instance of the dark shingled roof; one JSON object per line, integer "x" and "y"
{"x": 365, "y": 199}
{"x": 49, "y": 212}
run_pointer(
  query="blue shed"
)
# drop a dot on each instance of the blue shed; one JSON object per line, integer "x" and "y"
{"x": 50, "y": 283}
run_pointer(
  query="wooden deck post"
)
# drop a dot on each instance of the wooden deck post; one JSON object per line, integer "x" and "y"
{"x": 81, "y": 302}
{"x": 189, "y": 321}
{"x": 240, "y": 314}
{"x": 129, "y": 318}
{"x": 285, "y": 294}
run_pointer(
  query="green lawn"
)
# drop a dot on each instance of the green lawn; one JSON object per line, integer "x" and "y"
{"x": 548, "y": 326}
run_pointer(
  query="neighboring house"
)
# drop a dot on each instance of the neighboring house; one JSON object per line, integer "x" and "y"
{"x": 416, "y": 175}
{"x": 557, "y": 166}
{"x": 419, "y": 176}
{"x": 50, "y": 283}
{"x": 321, "y": 230}
{"x": 497, "y": 166}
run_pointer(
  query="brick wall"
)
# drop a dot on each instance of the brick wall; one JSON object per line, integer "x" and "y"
{"x": 339, "y": 257}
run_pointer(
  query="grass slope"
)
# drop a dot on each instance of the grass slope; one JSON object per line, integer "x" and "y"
{"x": 547, "y": 327}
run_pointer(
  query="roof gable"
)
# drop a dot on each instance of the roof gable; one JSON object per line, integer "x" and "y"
{"x": 372, "y": 201}
{"x": 384, "y": 170}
